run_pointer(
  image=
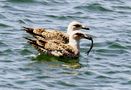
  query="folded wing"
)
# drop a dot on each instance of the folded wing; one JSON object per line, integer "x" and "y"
{"x": 47, "y": 34}
{"x": 52, "y": 47}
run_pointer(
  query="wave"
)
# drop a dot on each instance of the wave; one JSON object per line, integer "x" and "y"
{"x": 94, "y": 7}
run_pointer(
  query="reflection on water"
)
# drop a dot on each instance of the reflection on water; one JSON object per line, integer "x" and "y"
{"x": 56, "y": 61}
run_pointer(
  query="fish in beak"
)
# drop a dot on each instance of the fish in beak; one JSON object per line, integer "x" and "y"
{"x": 89, "y": 37}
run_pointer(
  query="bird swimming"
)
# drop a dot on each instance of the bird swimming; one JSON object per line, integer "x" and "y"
{"x": 60, "y": 36}
{"x": 60, "y": 49}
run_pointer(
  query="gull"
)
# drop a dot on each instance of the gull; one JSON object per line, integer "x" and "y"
{"x": 60, "y": 36}
{"x": 59, "y": 49}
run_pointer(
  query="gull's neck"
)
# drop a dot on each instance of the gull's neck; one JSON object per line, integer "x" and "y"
{"x": 75, "y": 44}
{"x": 69, "y": 30}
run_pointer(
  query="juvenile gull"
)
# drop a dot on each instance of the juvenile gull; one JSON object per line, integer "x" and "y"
{"x": 49, "y": 34}
{"x": 59, "y": 49}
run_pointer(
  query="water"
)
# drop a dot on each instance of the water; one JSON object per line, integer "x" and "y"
{"x": 108, "y": 67}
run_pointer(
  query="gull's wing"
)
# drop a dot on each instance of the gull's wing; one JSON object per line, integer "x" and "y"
{"x": 48, "y": 34}
{"x": 52, "y": 47}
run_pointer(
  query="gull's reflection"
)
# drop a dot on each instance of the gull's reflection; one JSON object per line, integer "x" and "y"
{"x": 57, "y": 61}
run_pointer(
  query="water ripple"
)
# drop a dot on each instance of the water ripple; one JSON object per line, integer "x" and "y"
{"x": 117, "y": 46}
{"x": 3, "y": 25}
{"x": 21, "y": 1}
{"x": 94, "y": 7}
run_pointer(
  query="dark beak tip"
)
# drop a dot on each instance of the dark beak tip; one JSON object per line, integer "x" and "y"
{"x": 86, "y": 28}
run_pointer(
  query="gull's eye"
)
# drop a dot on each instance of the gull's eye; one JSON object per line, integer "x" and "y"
{"x": 79, "y": 34}
{"x": 77, "y": 25}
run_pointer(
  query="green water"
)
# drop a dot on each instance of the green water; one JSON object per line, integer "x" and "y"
{"x": 108, "y": 66}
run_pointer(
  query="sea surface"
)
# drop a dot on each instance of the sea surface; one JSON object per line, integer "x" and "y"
{"x": 107, "y": 67}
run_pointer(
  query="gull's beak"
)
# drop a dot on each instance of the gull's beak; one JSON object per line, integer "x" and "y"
{"x": 89, "y": 37}
{"x": 85, "y": 27}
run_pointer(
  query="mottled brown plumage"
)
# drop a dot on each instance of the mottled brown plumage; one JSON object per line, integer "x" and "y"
{"x": 49, "y": 34}
{"x": 56, "y": 48}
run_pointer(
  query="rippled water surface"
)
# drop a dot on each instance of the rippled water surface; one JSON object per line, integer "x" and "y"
{"x": 108, "y": 67}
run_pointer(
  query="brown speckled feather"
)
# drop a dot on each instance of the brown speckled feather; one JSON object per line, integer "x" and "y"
{"x": 48, "y": 34}
{"x": 52, "y": 47}
{"x": 52, "y": 34}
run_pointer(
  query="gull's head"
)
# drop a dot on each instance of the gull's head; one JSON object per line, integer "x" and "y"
{"x": 75, "y": 38}
{"x": 77, "y": 35}
{"x": 75, "y": 25}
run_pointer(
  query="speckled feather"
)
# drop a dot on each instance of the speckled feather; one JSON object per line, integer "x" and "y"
{"x": 48, "y": 34}
{"x": 54, "y": 48}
